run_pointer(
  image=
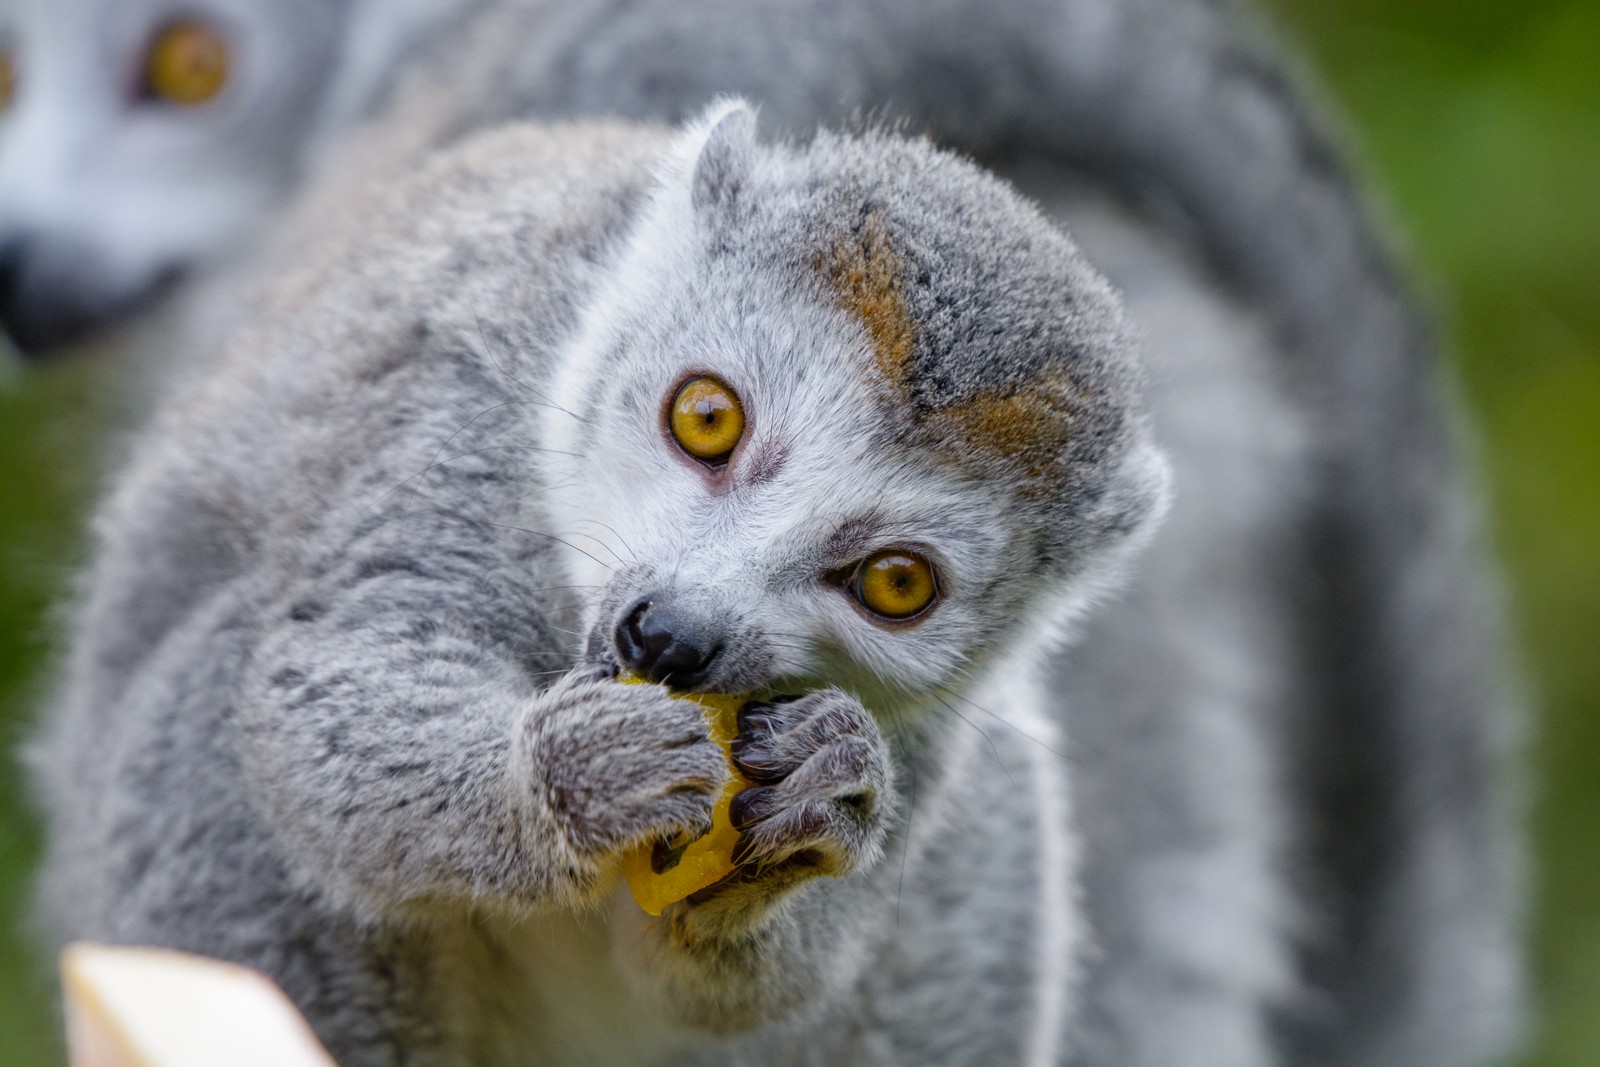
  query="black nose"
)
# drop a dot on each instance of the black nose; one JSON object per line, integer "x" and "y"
{"x": 54, "y": 294}
{"x": 664, "y": 645}
{"x": 10, "y": 287}
{"x": 36, "y": 318}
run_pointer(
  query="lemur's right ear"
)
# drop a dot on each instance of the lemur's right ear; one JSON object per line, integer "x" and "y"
{"x": 727, "y": 143}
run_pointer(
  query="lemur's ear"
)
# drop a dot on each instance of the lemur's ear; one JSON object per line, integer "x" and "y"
{"x": 726, "y": 154}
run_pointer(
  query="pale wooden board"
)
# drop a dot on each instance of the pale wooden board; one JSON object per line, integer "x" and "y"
{"x": 145, "y": 1007}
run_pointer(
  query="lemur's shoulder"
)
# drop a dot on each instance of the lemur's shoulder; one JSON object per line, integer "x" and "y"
{"x": 521, "y": 185}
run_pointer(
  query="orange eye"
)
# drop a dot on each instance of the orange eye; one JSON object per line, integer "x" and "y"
{"x": 8, "y": 80}
{"x": 706, "y": 419}
{"x": 187, "y": 64}
{"x": 895, "y": 584}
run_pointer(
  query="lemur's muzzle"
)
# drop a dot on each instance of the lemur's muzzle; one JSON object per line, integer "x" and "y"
{"x": 53, "y": 296}
{"x": 666, "y": 645}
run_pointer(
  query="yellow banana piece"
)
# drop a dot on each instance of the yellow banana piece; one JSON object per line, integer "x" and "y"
{"x": 708, "y": 858}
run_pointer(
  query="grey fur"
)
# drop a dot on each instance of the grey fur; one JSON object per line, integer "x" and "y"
{"x": 328, "y": 750}
{"x": 1362, "y": 834}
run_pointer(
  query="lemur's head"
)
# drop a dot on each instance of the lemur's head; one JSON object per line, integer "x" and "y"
{"x": 853, "y": 412}
{"x": 141, "y": 139}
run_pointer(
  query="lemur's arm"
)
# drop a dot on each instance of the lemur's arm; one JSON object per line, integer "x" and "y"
{"x": 397, "y": 730}
{"x": 397, "y": 769}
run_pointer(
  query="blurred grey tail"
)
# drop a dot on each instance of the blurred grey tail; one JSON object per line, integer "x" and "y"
{"x": 1188, "y": 104}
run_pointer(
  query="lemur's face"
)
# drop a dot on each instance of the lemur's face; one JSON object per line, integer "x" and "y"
{"x": 139, "y": 138}
{"x": 757, "y": 483}
{"x": 738, "y": 493}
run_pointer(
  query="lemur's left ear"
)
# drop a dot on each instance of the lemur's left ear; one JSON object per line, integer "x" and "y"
{"x": 727, "y": 144}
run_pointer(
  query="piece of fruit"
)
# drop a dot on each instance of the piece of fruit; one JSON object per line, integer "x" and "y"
{"x": 150, "y": 1007}
{"x": 693, "y": 865}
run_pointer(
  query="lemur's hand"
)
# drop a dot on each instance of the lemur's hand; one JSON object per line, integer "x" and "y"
{"x": 822, "y": 800}
{"x": 621, "y": 765}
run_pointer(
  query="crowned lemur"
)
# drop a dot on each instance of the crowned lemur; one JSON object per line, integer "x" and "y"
{"x": 1283, "y": 742}
{"x": 848, "y": 426}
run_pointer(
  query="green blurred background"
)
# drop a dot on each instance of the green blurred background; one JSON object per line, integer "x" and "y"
{"x": 1480, "y": 122}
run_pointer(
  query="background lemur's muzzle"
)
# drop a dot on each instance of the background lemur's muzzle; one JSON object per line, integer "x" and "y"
{"x": 34, "y": 320}
{"x": 665, "y": 645}
{"x": 53, "y": 295}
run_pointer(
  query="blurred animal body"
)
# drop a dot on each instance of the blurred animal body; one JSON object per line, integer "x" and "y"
{"x": 1292, "y": 841}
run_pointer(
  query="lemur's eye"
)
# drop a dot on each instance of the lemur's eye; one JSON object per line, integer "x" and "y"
{"x": 895, "y": 584}
{"x": 186, "y": 65}
{"x": 706, "y": 419}
{"x": 8, "y": 79}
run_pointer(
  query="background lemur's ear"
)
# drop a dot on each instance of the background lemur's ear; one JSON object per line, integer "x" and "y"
{"x": 726, "y": 154}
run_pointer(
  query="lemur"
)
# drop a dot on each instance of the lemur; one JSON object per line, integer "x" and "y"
{"x": 846, "y": 425}
{"x": 1318, "y": 576}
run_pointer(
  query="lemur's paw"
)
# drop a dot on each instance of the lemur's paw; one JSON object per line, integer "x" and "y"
{"x": 619, "y": 766}
{"x": 823, "y": 778}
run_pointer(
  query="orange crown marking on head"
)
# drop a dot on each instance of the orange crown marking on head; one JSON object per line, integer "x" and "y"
{"x": 1026, "y": 425}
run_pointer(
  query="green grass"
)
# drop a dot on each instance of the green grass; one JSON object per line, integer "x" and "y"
{"x": 49, "y": 424}
{"x": 1481, "y": 123}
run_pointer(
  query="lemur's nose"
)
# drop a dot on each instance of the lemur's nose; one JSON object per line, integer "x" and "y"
{"x": 10, "y": 284}
{"x": 664, "y": 646}
{"x": 37, "y": 312}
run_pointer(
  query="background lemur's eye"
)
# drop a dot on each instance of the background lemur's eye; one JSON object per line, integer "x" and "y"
{"x": 895, "y": 584}
{"x": 706, "y": 419}
{"x": 8, "y": 79}
{"x": 187, "y": 64}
